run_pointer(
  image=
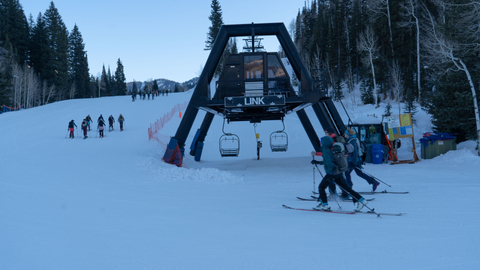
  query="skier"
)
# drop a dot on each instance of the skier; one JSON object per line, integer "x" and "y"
{"x": 333, "y": 175}
{"x": 100, "y": 118}
{"x": 71, "y": 126}
{"x": 120, "y": 120}
{"x": 330, "y": 132}
{"x": 111, "y": 120}
{"x": 100, "y": 127}
{"x": 89, "y": 120}
{"x": 84, "y": 128}
{"x": 355, "y": 161}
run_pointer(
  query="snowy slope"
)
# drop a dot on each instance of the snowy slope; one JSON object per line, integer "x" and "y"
{"x": 112, "y": 203}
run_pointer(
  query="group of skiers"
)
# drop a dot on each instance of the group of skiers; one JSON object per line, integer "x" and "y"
{"x": 147, "y": 94}
{"x": 341, "y": 157}
{"x": 86, "y": 125}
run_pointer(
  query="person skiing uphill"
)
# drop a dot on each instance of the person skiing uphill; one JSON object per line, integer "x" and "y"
{"x": 100, "y": 127}
{"x": 355, "y": 162}
{"x": 111, "y": 120}
{"x": 84, "y": 128}
{"x": 71, "y": 126}
{"x": 330, "y": 132}
{"x": 120, "y": 120}
{"x": 89, "y": 120}
{"x": 333, "y": 175}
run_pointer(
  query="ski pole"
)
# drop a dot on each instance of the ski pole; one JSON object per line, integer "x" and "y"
{"x": 313, "y": 167}
{"x": 364, "y": 205}
{"x": 319, "y": 170}
{"x": 67, "y": 134}
{"x": 361, "y": 169}
{"x": 334, "y": 197}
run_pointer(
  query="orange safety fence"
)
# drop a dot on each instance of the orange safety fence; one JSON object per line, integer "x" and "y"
{"x": 160, "y": 123}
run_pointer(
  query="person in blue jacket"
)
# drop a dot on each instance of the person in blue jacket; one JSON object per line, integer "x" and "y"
{"x": 355, "y": 162}
{"x": 333, "y": 175}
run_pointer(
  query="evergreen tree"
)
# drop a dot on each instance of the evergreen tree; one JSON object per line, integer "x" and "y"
{"x": 134, "y": 87}
{"x": 94, "y": 85}
{"x": 120, "y": 80}
{"x": 217, "y": 22}
{"x": 155, "y": 87}
{"x": 39, "y": 47}
{"x": 5, "y": 79}
{"x": 14, "y": 25}
{"x": 110, "y": 83}
{"x": 451, "y": 107}
{"x": 56, "y": 70}
{"x": 366, "y": 91}
{"x": 103, "y": 83}
{"x": 233, "y": 46}
{"x": 78, "y": 68}
{"x": 410, "y": 106}
{"x": 388, "y": 110}
{"x": 337, "y": 91}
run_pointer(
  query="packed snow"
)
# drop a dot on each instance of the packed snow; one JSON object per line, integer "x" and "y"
{"x": 112, "y": 203}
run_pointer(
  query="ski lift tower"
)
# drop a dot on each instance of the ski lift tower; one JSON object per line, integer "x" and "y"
{"x": 254, "y": 86}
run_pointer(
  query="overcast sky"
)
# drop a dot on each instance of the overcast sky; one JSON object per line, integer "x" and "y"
{"x": 157, "y": 39}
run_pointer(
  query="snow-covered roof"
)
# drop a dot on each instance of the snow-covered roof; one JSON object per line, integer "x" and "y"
{"x": 366, "y": 120}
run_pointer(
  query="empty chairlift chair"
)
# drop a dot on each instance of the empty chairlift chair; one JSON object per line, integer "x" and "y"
{"x": 279, "y": 140}
{"x": 229, "y": 144}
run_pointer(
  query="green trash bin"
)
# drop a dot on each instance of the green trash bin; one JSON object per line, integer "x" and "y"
{"x": 437, "y": 144}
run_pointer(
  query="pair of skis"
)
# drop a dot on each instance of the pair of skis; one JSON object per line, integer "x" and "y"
{"x": 377, "y": 192}
{"x": 343, "y": 211}
{"x": 314, "y": 198}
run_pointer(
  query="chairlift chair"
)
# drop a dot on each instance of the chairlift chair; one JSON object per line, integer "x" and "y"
{"x": 229, "y": 144}
{"x": 279, "y": 140}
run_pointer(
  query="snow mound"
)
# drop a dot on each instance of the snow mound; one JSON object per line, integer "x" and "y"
{"x": 202, "y": 175}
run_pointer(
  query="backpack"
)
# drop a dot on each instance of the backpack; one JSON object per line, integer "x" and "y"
{"x": 349, "y": 148}
{"x": 360, "y": 146}
{"x": 340, "y": 159}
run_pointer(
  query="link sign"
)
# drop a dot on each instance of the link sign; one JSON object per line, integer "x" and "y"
{"x": 238, "y": 102}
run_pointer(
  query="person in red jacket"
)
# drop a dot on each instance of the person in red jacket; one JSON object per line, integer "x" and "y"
{"x": 71, "y": 127}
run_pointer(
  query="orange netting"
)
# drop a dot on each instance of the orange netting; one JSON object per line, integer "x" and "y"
{"x": 160, "y": 123}
{"x": 164, "y": 139}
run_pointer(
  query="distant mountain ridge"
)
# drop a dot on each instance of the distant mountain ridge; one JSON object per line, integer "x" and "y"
{"x": 165, "y": 84}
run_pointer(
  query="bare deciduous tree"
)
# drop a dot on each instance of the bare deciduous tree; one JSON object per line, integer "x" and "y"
{"x": 368, "y": 43}
{"x": 73, "y": 90}
{"x": 382, "y": 8}
{"x": 397, "y": 83}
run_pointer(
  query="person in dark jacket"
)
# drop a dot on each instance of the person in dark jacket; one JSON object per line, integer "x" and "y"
{"x": 355, "y": 162}
{"x": 330, "y": 132}
{"x": 71, "y": 127}
{"x": 89, "y": 120}
{"x": 111, "y": 120}
{"x": 100, "y": 118}
{"x": 84, "y": 128}
{"x": 332, "y": 175}
{"x": 101, "y": 127}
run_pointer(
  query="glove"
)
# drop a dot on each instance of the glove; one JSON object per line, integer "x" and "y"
{"x": 316, "y": 162}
